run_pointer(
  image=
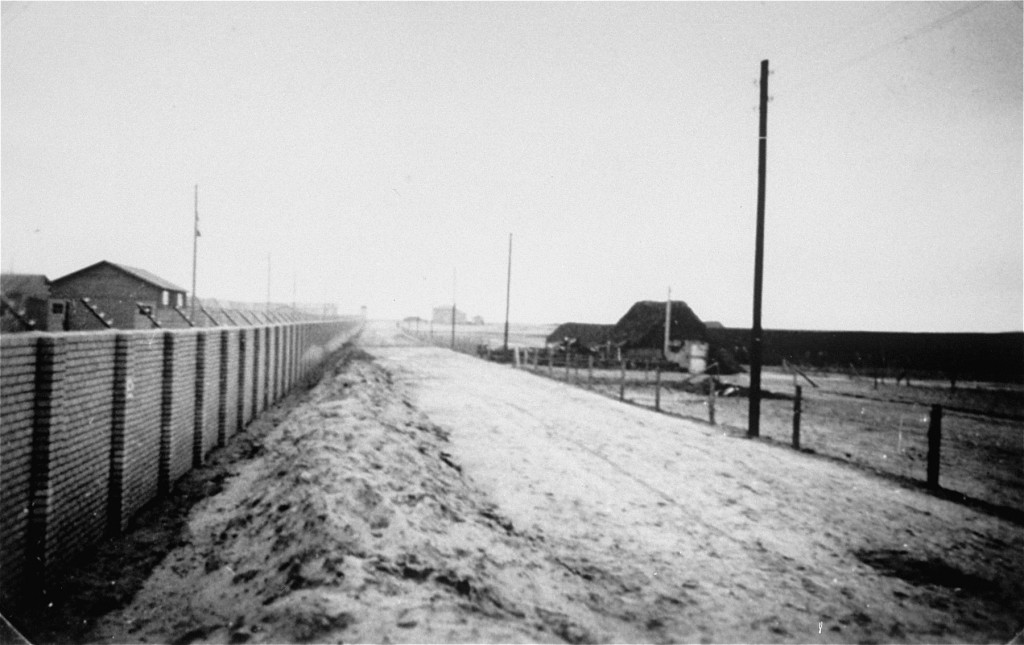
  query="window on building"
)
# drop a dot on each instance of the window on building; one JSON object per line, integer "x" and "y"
{"x": 165, "y": 298}
{"x": 57, "y": 308}
{"x": 181, "y": 300}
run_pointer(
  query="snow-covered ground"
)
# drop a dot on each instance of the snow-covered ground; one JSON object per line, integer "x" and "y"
{"x": 421, "y": 495}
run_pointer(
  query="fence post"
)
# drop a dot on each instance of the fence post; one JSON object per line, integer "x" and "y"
{"x": 711, "y": 400}
{"x": 657, "y": 386}
{"x": 551, "y": 362}
{"x": 568, "y": 359}
{"x": 622, "y": 379}
{"x": 590, "y": 371}
{"x": 934, "y": 442}
{"x": 797, "y": 400}
{"x": 515, "y": 352}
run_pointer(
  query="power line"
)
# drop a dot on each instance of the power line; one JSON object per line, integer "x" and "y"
{"x": 911, "y": 35}
{"x": 904, "y": 38}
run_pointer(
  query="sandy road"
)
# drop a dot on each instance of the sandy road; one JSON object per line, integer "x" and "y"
{"x": 680, "y": 533}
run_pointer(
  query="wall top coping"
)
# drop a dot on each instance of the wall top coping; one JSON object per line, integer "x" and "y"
{"x": 15, "y": 339}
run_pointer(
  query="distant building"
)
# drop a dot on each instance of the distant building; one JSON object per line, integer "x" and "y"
{"x": 583, "y": 337}
{"x": 121, "y": 293}
{"x": 28, "y": 304}
{"x": 641, "y": 335}
{"x": 478, "y": 320}
{"x": 443, "y": 315}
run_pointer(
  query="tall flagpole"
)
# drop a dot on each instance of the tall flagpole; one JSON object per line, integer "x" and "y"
{"x": 195, "y": 249}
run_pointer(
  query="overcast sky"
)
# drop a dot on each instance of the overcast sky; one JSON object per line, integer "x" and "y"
{"x": 373, "y": 150}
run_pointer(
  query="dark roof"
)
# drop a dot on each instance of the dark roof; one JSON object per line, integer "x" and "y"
{"x": 586, "y": 334}
{"x": 643, "y": 326}
{"x": 141, "y": 274}
{"x": 25, "y": 285}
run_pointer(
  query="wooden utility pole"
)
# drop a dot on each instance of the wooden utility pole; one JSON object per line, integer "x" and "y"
{"x": 195, "y": 250}
{"x": 756, "y": 333}
{"x": 453, "y": 307}
{"x": 508, "y": 288}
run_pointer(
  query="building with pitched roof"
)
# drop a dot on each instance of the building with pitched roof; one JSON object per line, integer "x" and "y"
{"x": 121, "y": 293}
{"x": 640, "y": 333}
{"x": 27, "y": 304}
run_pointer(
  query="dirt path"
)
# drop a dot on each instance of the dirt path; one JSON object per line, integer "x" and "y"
{"x": 690, "y": 535}
{"x": 423, "y": 496}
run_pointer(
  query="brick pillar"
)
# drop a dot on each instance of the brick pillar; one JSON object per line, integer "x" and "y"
{"x": 296, "y": 352}
{"x": 115, "y": 499}
{"x": 166, "y": 406}
{"x": 290, "y": 361}
{"x": 200, "y": 406}
{"x": 271, "y": 368}
{"x": 302, "y": 350}
{"x": 279, "y": 362}
{"x": 266, "y": 369}
{"x": 256, "y": 333}
{"x": 222, "y": 389}
{"x": 48, "y": 421}
{"x": 241, "y": 380}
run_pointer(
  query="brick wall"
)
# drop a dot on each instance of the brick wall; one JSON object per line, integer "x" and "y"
{"x": 94, "y": 425}
{"x": 259, "y": 352}
{"x": 177, "y": 414}
{"x": 139, "y": 440}
{"x": 247, "y": 376}
{"x": 17, "y": 403}
{"x": 227, "y": 413}
{"x": 79, "y": 454}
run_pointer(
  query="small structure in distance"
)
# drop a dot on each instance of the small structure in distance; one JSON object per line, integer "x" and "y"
{"x": 640, "y": 334}
{"x": 584, "y": 338}
{"x": 28, "y": 304}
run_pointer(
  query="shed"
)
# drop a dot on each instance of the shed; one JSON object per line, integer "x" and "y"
{"x": 581, "y": 336}
{"x": 119, "y": 291}
{"x": 27, "y": 297}
{"x": 641, "y": 334}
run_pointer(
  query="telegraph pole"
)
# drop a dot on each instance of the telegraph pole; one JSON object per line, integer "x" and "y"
{"x": 508, "y": 288}
{"x": 195, "y": 250}
{"x": 756, "y": 333}
{"x": 453, "y": 307}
